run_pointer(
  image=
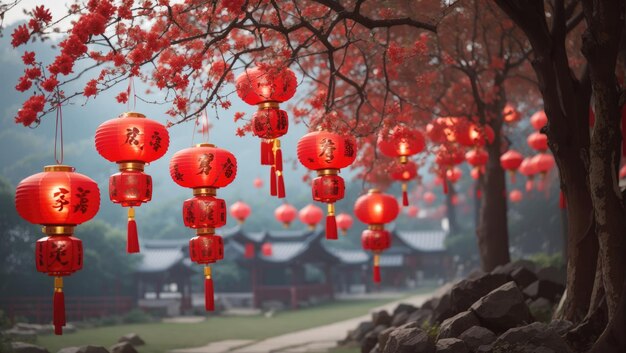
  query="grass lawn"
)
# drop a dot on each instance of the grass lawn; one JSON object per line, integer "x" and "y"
{"x": 162, "y": 337}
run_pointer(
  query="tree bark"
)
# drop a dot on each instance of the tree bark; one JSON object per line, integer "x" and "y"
{"x": 566, "y": 103}
{"x": 600, "y": 47}
{"x": 492, "y": 232}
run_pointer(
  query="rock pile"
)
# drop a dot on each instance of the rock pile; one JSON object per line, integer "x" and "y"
{"x": 501, "y": 311}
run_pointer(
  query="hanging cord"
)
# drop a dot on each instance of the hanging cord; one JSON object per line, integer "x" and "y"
{"x": 58, "y": 134}
{"x": 129, "y": 90}
{"x": 204, "y": 127}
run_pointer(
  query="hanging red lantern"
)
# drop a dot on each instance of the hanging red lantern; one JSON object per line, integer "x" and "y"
{"x": 376, "y": 209}
{"x": 453, "y": 175}
{"x": 240, "y": 211}
{"x": 258, "y": 183}
{"x": 58, "y": 199}
{"x": 622, "y": 172}
{"x": 266, "y": 249}
{"x": 404, "y": 173}
{"x": 429, "y": 197}
{"x": 311, "y": 215}
{"x": 285, "y": 214}
{"x": 447, "y": 157}
{"x": 327, "y": 152}
{"x": 543, "y": 163}
{"x": 511, "y": 160}
{"x": 510, "y": 114}
{"x": 539, "y": 120}
{"x": 473, "y": 135}
{"x": 248, "y": 252}
{"x": 131, "y": 140}
{"x": 515, "y": 196}
{"x": 475, "y": 173}
{"x": 268, "y": 87}
{"x": 401, "y": 142}
{"x": 527, "y": 168}
{"x": 344, "y": 222}
{"x": 477, "y": 158}
{"x": 538, "y": 141}
{"x": 204, "y": 168}
{"x": 412, "y": 211}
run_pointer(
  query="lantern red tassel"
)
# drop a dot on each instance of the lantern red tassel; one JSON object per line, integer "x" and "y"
{"x": 512, "y": 173}
{"x": 281, "y": 185}
{"x": 209, "y": 300}
{"x": 445, "y": 183}
{"x": 562, "y": 203}
{"x": 331, "y": 222}
{"x": 265, "y": 152}
{"x": 529, "y": 185}
{"x": 377, "y": 276}
{"x": 58, "y": 306}
{"x": 405, "y": 195}
{"x": 273, "y": 190}
{"x": 132, "y": 240}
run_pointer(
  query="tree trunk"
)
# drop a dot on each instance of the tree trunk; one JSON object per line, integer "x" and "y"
{"x": 600, "y": 47}
{"x": 492, "y": 232}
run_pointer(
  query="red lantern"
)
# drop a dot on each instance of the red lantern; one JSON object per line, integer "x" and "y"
{"x": 240, "y": 211}
{"x": 375, "y": 209}
{"x": 453, "y": 175}
{"x": 511, "y": 160}
{"x": 622, "y": 172}
{"x": 429, "y": 197}
{"x": 285, "y": 214}
{"x": 447, "y": 157}
{"x": 538, "y": 141}
{"x": 475, "y": 173}
{"x": 510, "y": 114}
{"x": 131, "y": 140}
{"x": 401, "y": 142}
{"x": 515, "y": 196}
{"x": 249, "y": 251}
{"x": 267, "y": 87}
{"x": 327, "y": 152}
{"x": 344, "y": 222}
{"x": 528, "y": 169}
{"x": 444, "y": 129}
{"x": 412, "y": 211}
{"x": 266, "y": 249}
{"x": 311, "y": 215}
{"x": 543, "y": 163}
{"x": 204, "y": 168}
{"x": 404, "y": 173}
{"x": 539, "y": 120}
{"x": 58, "y": 199}
{"x": 477, "y": 158}
{"x": 474, "y": 135}
{"x": 258, "y": 183}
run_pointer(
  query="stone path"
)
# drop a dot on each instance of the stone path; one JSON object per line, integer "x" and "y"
{"x": 314, "y": 340}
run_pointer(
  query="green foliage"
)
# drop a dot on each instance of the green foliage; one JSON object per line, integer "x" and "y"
{"x": 545, "y": 260}
{"x": 432, "y": 330}
{"x": 464, "y": 246}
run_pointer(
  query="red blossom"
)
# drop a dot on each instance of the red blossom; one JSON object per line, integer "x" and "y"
{"x": 63, "y": 64}
{"x": 32, "y": 73}
{"x": 239, "y": 116}
{"x": 33, "y": 106}
{"x": 20, "y": 36}
{"x": 28, "y": 58}
{"x": 122, "y": 97}
{"x": 90, "y": 88}
{"x": 40, "y": 13}
{"x": 50, "y": 84}
{"x": 181, "y": 103}
{"x": 240, "y": 132}
{"x": 23, "y": 84}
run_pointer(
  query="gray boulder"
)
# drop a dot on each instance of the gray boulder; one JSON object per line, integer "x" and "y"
{"x": 502, "y": 308}
{"x": 381, "y": 318}
{"x": 477, "y": 336}
{"x": 454, "y": 326}
{"x": 400, "y": 318}
{"x": 84, "y": 349}
{"x": 122, "y": 347}
{"x": 541, "y": 309}
{"x": 512, "y": 266}
{"x": 466, "y": 292}
{"x": 376, "y": 349}
{"x": 133, "y": 339}
{"x": 20, "y": 335}
{"x": 21, "y": 347}
{"x": 561, "y": 327}
{"x": 443, "y": 308}
{"x": 404, "y": 307}
{"x": 544, "y": 289}
{"x": 383, "y": 337}
{"x": 421, "y": 317}
{"x": 451, "y": 345}
{"x": 533, "y": 338}
{"x": 407, "y": 339}
{"x": 371, "y": 339}
{"x": 552, "y": 274}
{"x": 360, "y": 331}
{"x": 523, "y": 277}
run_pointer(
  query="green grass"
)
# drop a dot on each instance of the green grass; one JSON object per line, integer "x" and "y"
{"x": 162, "y": 337}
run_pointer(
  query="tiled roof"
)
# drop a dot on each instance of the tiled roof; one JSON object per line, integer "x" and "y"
{"x": 349, "y": 256}
{"x": 423, "y": 240}
{"x": 391, "y": 260}
{"x": 160, "y": 258}
{"x": 285, "y": 251}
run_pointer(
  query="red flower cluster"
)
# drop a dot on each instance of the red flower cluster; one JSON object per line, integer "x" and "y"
{"x": 20, "y": 36}
{"x": 33, "y": 106}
